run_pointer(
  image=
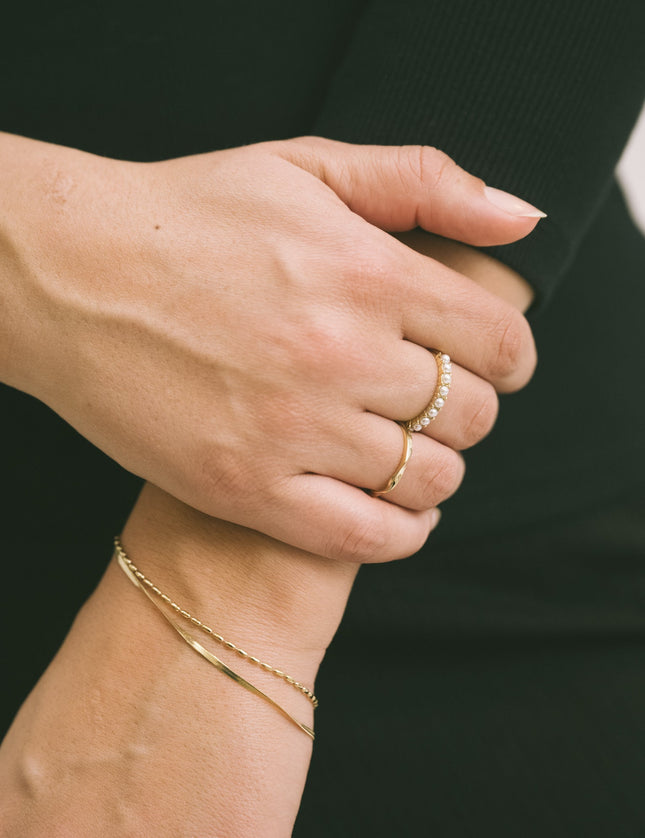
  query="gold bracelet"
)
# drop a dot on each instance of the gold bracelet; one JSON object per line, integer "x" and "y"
{"x": 217, "y": 637}
{"x": 146, "y": 586}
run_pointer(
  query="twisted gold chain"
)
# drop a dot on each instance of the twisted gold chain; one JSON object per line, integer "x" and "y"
{"x": 208, "y": 630}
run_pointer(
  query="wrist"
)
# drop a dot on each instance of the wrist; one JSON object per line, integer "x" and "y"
{"x": 249, "y": 588}
{"x": 32, "y": 179}
{"x": 47, "y": 194}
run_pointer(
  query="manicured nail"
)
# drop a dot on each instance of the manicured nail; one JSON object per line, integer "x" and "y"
{"x": 512, "y": 204}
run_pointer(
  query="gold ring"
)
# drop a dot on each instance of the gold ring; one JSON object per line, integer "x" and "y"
{"x": 441, "y": 390}
{"x": 400, "y": 469}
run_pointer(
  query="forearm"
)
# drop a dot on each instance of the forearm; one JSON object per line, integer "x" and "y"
{"x": 158, "y": 739}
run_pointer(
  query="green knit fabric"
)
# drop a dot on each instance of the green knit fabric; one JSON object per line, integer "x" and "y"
{"x": 535, "y": 97}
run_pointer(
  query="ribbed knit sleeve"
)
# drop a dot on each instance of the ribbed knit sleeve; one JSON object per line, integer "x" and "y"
{"x": 535, "y": 96}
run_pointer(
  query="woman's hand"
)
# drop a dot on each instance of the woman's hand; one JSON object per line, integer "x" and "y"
{"x": 238, "y": 328}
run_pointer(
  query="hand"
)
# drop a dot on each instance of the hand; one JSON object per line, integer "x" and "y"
{"x": 237, "y": 329}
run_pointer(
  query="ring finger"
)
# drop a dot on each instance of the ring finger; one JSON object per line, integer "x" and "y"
{"x": 466, "y": 408}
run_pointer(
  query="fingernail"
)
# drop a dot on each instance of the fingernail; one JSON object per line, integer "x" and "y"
{"x": 512, "y": 204}
{"x": 436, "y": 517}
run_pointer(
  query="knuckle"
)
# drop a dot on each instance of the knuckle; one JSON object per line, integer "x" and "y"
{"x": 363, "y": 542}
{"x": 512, "y": 357}
{"x": 309, "y": 140}
{"x": 482, "y": 420}
{"x": 525, "y": 372}
{"x": 444, "y": 478}
{"x": 367, "y": 261}
{"x": 303, "y": 148}
{"x": 427, "y": 165}
{"x": 369, "y": 275}
{"x": 327, "y": 352}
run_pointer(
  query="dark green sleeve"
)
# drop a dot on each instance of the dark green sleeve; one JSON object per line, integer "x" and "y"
{"x": 536, "y": 97}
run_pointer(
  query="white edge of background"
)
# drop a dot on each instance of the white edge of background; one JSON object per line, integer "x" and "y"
{"x": 631, "y": 172}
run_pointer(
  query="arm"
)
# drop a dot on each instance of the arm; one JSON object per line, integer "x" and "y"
{"x": 159, "y": 741}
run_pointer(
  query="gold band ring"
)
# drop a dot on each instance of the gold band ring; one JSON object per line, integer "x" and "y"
{"x": 441, "y": 390}
{"x": 400, "y": 469}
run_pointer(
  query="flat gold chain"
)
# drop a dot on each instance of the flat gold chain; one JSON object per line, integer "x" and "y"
{"x": 123, "y": 556}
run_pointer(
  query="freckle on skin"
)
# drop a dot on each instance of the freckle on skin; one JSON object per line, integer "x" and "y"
{"x": 157, "y": 227}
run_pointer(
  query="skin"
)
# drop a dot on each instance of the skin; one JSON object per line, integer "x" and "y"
{"x": 159, "y": 742}
{"x": 239, "y": 329}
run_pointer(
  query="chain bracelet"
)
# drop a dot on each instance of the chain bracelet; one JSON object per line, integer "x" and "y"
{"x": 208, "y": 630}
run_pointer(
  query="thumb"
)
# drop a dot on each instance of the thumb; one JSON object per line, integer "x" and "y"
{"x": 401, "y": 187}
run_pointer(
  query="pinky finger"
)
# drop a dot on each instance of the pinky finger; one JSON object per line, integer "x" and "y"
{"x": 343, "y": 522}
